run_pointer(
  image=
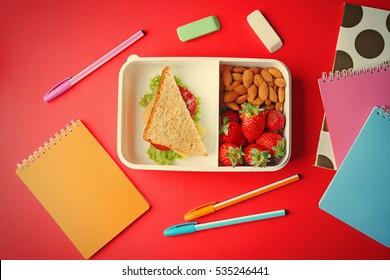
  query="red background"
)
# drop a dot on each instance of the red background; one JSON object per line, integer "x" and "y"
{"x": 42, "y": 42}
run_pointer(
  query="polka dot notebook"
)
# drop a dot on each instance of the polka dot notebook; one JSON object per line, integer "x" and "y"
{"x": 364, "y": 37}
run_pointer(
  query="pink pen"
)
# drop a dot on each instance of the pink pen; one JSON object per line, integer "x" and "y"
{"x": 66, "y": 84}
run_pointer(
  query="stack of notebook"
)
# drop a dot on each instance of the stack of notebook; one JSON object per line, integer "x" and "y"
{"x": 357, "y": 108}
{"x": 363, "y": 42}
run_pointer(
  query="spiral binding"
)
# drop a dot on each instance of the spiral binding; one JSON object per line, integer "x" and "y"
{"x": 351, "y": 72}
{"x": 36, "y": 155}
{"x": 385, "y": 112}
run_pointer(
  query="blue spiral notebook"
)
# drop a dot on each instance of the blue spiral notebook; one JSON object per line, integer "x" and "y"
{"x": 359, "y": 193}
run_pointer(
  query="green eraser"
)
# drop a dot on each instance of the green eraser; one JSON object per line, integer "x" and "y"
{"x": 198, "y": 28}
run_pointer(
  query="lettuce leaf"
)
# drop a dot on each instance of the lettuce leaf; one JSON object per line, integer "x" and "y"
{"x": 154, "y": 82}
{"x": 145, "y": 99}
{"x": 162, "y": 157}
{"x": 196, "y": 116}
{"x": 180, "y": 83}
{"x": 153, "y": 87}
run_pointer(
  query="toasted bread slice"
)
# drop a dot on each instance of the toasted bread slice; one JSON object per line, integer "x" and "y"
{"x": 170, "y": 123}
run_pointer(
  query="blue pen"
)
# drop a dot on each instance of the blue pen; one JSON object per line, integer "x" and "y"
{"x": 191, "y": 227}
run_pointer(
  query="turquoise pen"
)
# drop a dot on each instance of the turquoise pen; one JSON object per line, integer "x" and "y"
{"x": 191, "y": 227}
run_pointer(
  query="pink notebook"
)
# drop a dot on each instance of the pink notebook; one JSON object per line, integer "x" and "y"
{"x": 348, "y": 98}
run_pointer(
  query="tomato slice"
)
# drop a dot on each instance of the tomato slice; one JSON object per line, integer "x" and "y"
{"x": 189, "y": 99}
{"x": 160, "y": 147}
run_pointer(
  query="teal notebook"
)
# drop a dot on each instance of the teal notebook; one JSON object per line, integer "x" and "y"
{"x": 359, "y": 194}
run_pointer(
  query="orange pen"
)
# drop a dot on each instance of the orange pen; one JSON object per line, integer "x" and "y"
{"x": 211, "y": 207}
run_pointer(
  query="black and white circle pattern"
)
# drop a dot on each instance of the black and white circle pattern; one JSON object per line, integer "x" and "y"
{"x": 364, "y": 38}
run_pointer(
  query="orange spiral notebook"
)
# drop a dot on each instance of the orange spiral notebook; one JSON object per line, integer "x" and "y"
{"x": 82, "y": 188}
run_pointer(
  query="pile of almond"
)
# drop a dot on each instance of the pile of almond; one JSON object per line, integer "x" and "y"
{"x": 264, "y": 87}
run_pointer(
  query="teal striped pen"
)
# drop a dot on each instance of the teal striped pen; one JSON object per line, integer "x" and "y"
{"x": 191, "y": 227}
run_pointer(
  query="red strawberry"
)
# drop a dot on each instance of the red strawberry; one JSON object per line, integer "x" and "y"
{"x": 230, "y": 154}
{"x": 256, "y": 156}
{"x": 231, "y": 115}
{"x": 275, "y": 120}
{"x": 231, "y": 132}
{"x": 253, "y": 121}
{"x": 274, "y": 143}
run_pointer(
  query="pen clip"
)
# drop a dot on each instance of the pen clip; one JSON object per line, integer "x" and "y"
{"x": 57, "y": 90}
{"x": 182, "y": 225}
{"x": 202, "y": 206}
{"x": 179, "y": 229}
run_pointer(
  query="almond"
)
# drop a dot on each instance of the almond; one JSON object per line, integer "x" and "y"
{"x": 263, "y": 91}
{"x": 239, "y": 69}
{"x": 237, "y": 77}
{"x": 230, "y": 96}
{"x": 257, "y": 101}
{"x": 255, "y": 70}
{"x": 241, "y": 89}
{"x": 263, "y": 87}
{"x": 279, "y": 106}
{"x": 234, "y": 106}
{"x": 227, "y": 77}
{"x": 275, "y": 72}
{"x": 252, "y": 92}
{"x": 273, "y": 96}
{"x": 247, "y": 78}
{"x": 271, "y": 84}
{"x": 258, "y": 79}
{"x": 226, "y": 67}
{"x": 266, "y": 75}
{"x": 242, "y": 99}
{"x": 280, "y": 82}
{"x": 281, "y": 94}
{"x": 268, "y": 107}
{"x": 233, "y": 86}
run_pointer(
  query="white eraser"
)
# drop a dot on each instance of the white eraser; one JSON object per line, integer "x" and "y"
{"x": 264, "y": 31}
